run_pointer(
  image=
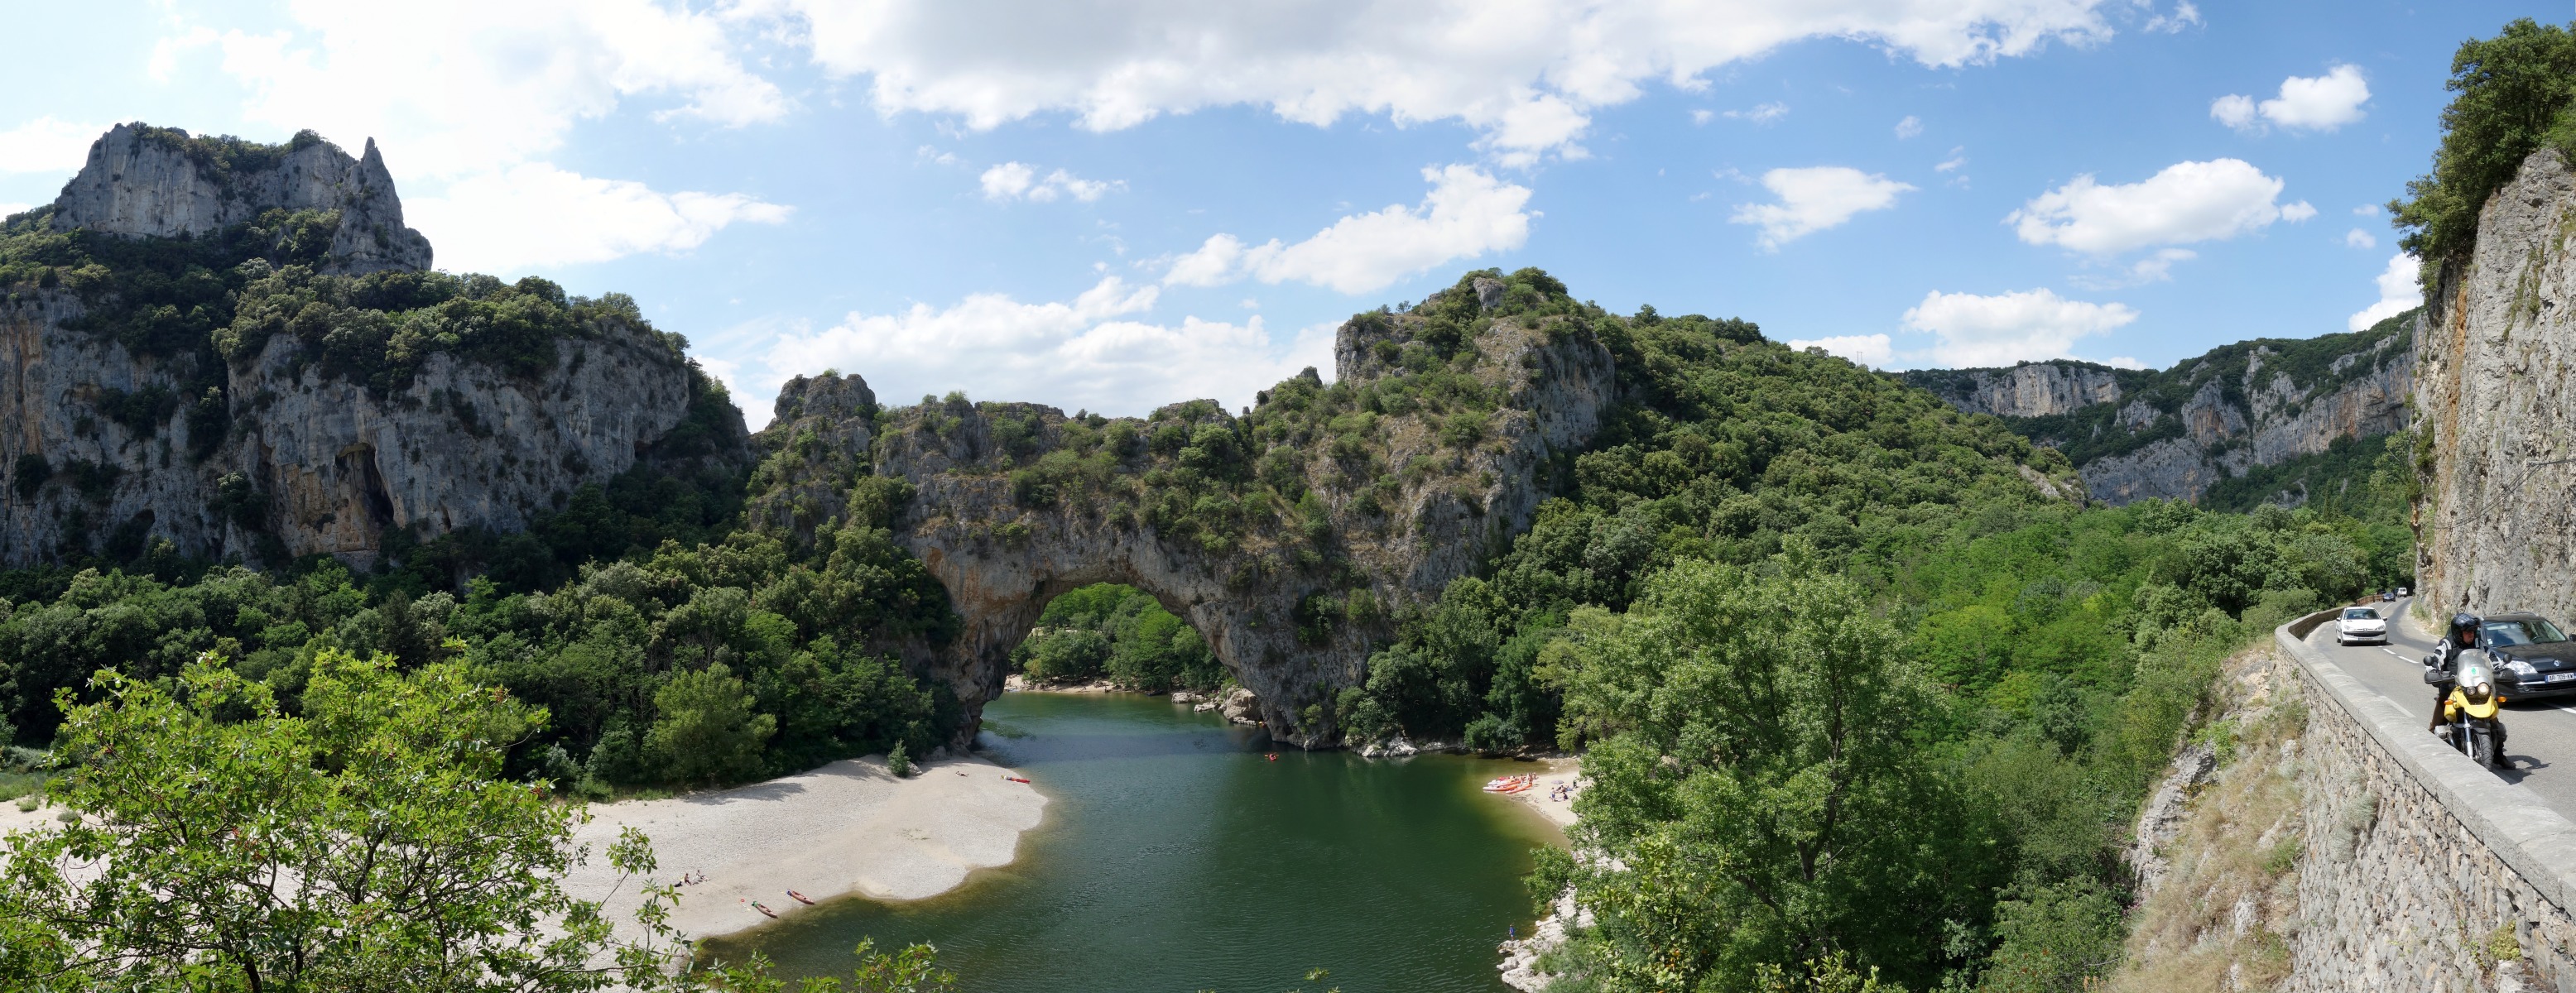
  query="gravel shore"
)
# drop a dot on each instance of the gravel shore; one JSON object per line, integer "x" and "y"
{"x": 846, "y": 828}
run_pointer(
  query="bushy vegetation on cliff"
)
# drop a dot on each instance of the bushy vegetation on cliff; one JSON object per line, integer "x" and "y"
{"x": 2517, "y": 95}
{"x": 223, "y": 296}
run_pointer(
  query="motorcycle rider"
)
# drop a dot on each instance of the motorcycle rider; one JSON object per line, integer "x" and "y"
{"x": 2462, "y": 637}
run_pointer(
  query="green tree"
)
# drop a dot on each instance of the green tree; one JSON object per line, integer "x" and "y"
{"x": 2515, "y": 90}
{"x": 709, "y": 731}
{"x": 367, "y": 843}
{"x": 1757, "y": 785}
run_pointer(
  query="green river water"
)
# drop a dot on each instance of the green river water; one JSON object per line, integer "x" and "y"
{"x": 1175, "y": 858}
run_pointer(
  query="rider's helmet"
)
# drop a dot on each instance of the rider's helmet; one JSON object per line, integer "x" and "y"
{"x": 2464, "y": 629}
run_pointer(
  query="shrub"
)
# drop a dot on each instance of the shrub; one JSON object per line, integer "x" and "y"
{"x": 2515, "y": 93}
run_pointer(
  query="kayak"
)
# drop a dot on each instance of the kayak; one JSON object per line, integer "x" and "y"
{"x": 763, "y": 908}
{"x": 1510, "y": 784}
{"x": 1013, "y": 778}
{"x": 800, "y": 897}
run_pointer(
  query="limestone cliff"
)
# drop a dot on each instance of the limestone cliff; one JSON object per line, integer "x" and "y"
{"x": 157, "y": 182}
{"x": 2031, "y": 389}
{"x": 1010, "y": 504}
{"x": 2497, "y": 525}
{"x": 264, "y": 417}
{"x": 2176, "y": 433}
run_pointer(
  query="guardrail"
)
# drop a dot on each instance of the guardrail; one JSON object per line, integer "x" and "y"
{"x": 2519, "y": 829}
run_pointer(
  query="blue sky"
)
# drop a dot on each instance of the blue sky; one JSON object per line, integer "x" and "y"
{"x": 1115, "y": 205}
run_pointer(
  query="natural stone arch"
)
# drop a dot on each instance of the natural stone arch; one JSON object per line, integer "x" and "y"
{"x": 1321, "y": 537}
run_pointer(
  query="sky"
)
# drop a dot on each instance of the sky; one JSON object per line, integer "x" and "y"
{"x": 1117, "y": 204}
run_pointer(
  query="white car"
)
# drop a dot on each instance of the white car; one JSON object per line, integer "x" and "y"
{"x": 2401, "y": 591}
{"x": 2360, "y": 624}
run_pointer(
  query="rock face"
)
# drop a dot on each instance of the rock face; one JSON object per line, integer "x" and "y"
{"x": 2498, "y": 522}
{"x": 281, "y": 451}
{"x": 2174, "y": 434}
{"x": 156, "y": 182}
{"x": 2032, "y": 389}
{"x": 1287, "y": 604}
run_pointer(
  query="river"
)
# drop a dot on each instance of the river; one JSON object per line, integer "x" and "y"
{"x": 1176, "y": 858}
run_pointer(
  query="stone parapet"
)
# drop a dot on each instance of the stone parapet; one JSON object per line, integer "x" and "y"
{"x": 2416, "y": 861}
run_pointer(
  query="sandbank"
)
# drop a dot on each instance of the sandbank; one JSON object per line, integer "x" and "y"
{"x": 1553, "y": 773}
{"x": 848, "y": 828}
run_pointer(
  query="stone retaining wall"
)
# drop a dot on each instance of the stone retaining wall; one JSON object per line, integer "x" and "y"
{"x": 2416, "y": 860}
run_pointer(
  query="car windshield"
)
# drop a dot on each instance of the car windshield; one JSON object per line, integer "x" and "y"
{"x": 2360, "y": 614}
{"x": 2534, "y": 631}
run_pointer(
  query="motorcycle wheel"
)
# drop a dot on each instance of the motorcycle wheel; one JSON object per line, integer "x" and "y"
{"x": 2482, "y": 747}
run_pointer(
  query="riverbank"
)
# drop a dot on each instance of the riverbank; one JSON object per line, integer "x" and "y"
{"x": 848, "y": 828}
{"x": 1554, "y": 773}
{"x": 1520, "y": 956}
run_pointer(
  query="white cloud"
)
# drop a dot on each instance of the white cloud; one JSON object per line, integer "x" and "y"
{"x": 2366, "y": 210}
{"x": 2123, "y": 362}
{"x": 2184, "y": 15}
{"x": 1015, "y": 180}
{"x": 1953, "y": 162}
{"x": 2399, "y": 290}
{"x": 2358, "y": 238}
{"x": 1087, "y": 352}
{"x": 1467, "y": 213}
{"x": 1764, "y": 113}
{"x": 488, "y": 83}
{"x": 2306, "y": 103}
{"x": 2235, "y": 110}
{"x": 1815, "y": 198}
{"x": 1909, "y": 127}
{"x": 537, "y": 215}
{"x": 2010, "y": 327}
{"x": 47, "y": 145}
{"x": 1701, "y": 116}
{"x": 2159, "y": 267}
{"x": 466, "y": 104}
{"x": 1872, "y": 350}
{"x": 2296, "y": 212}
{"x": 1527, "y": 75}
{"x": 2185, "y": 203}
{"x": 7, "y": 209}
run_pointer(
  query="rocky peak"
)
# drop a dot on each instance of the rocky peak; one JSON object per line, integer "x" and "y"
{"x": 830, "y": 395}
{"x": 143, "y": 181}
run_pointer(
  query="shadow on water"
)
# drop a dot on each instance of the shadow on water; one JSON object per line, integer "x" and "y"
{"x": 1175, "y": 857}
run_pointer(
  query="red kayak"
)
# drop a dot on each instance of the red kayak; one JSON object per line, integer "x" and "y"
{"x": 763, "y": 908}
{"x": 801, "y": 898}
{"x": 1013, "y": 778}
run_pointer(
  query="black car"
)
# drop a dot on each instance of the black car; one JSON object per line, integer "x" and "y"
{"x": 2532, "y": 657}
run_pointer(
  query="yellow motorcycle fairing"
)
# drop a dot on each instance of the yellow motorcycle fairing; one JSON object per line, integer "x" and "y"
{"x": 2460, "y": 701}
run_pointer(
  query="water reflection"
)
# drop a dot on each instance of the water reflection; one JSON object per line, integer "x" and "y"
{"x": 1175, "y": 857}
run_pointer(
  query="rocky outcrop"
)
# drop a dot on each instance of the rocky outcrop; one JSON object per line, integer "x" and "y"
{"x": 144, "y": 181}
{"x": 2497, "y": 525}
{"x": 1012, "y": 504}
{"x": 115, "y": 451}
{"x": 2174, "y": 434}
{"x": 2031, "y": 389}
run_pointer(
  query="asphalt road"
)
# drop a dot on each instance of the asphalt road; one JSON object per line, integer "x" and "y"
{"x": 2540, "y": 735}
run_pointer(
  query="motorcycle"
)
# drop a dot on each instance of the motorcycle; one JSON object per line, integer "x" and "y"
{"x": 2473, "y": 722}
